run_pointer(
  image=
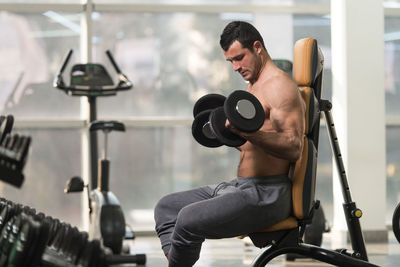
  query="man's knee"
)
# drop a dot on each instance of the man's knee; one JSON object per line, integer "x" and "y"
{"x": 164, "y": 210}
{"x": 161, "y": 205}
{"x": 186, "y": 239}
{"x": 190, "y": 221}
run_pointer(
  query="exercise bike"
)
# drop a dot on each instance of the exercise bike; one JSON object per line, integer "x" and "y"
{"x": 106, "y": 218}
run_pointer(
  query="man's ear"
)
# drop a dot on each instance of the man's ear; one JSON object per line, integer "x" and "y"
{"x": 257, "y": 46}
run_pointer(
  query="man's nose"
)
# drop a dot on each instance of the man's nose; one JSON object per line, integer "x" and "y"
{"x": 236, "y": 66}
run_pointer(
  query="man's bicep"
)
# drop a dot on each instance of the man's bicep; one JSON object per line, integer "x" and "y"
{"x": 287, "y": 109}
{"x": 288, "y": 117}
{"x": 281, "y": 119}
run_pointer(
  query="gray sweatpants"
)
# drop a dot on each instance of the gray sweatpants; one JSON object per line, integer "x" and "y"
{"x": 244, "y": 205}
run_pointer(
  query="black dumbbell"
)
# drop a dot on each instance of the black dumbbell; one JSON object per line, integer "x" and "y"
{"x": 6, "y": 125}
{"x": 6, "y": 240}
{"x": 90, "y": 255}
{"x": 20, "y": 248}
{"x": 241, "y": 108}
{"x": 54, "y": 227}
{"x": 38, "y": 245}
{"x": 86, "y": 254}
{"x": 244, "y": 111}
{"x": 73, "y": 245}
{"x": 201, "y": 130}
{"x": 210, "y": 101}
{"x": 201, "y": 127}
{"x": 61, "y": 236}
{"x": 216, "y": 123}
{"x": 5, "y": 215}
{"x": 22, "y": 150}
{"x": 83, "y": 238}
{"x": 32, "y": 235}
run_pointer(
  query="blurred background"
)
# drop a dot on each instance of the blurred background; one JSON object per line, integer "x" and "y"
{"x": 170, "y": 50}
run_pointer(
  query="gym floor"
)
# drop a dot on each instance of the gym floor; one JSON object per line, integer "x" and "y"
{"x": 233, "y": 252}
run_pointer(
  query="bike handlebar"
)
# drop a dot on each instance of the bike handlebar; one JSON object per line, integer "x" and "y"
{"x": 85, "y": 90}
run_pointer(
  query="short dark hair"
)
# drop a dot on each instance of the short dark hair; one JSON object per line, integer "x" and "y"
{"x": 241, "y": 31}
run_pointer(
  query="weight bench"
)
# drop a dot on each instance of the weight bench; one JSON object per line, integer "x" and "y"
{"x": 286, "y": 236}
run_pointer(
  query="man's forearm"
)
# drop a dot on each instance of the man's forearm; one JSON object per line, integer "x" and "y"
{"x": 281, "y": 145}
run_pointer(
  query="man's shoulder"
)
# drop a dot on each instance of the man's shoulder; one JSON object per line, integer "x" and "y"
{"x": 276, "y": 90}
{"x": 279, "y": 81}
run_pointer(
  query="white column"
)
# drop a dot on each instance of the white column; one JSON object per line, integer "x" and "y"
{"x": 359, "y": 109}
{"x": 86, "y": 56}
{"x": 86, "y": 31}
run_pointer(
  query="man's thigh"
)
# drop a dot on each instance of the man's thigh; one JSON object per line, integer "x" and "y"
{"x": 234, "y": 211}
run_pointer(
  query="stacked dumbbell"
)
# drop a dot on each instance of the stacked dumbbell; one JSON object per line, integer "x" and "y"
{"x": 32, "y": 239}
{"x": 210, "y": 112}
{"x": 13, "y": 152}
{"x": 67, "y": 246}
{"x": 27, "y": 238}
{"x": 23, "y": 235}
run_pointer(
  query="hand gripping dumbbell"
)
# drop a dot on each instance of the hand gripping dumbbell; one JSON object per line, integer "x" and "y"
{"x": 241, "y": 108}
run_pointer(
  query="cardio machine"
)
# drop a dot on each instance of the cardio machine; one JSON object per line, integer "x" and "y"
{"x": 106, "y": 218}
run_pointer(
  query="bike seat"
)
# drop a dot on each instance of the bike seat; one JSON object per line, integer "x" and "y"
{"x": 107, "y": 126}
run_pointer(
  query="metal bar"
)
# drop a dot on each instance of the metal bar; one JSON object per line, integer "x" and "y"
{"x": 145, "y": 121}
{"x": 393, "y": 12}
{"x": 314, "y": 252}
{"x": 166, "y": 8}
{"x": 49, "y": 124}
{"x": 349, "y": 207}
{"x": 212, "y": 8}
{"x": 337, "y": 156}
{"x": 93, "y": 144}
{"x": 392, "y": 121}
{"x": 130, "y": 122}
{"x": 158, "y": 122}
{"x": 40, "y": 7}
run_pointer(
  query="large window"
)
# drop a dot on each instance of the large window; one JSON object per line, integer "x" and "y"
{"x": 32, "y": 50}
{"x": 173, "y": 58}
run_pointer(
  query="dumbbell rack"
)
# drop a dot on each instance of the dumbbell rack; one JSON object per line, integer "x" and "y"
{"x": 33, "y": 239}
{"x": 28, "y": 238}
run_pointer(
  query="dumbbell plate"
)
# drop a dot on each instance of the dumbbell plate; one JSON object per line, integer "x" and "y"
{"x": 86, "y": 254}
{"x": 201, "y": 133}
{"x": 217, "y": 119}
{"x": 32, "y": 241}
{"x": 6, "y": 127}
{"x": 244, "y": 111}
{"x": 83, "y": 239}
{"x": 21, "y": 246}
{"x": 210, "y": 101}
{"x": 42, "y": 238}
